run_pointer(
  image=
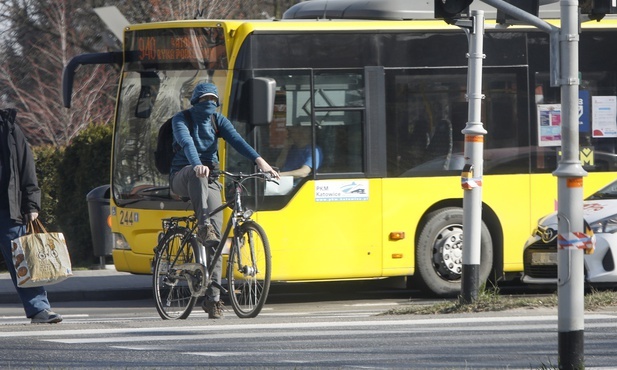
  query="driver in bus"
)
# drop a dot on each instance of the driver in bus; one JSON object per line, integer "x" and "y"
{"x": 192, "y": 165}
{"x": 296, "y": 158}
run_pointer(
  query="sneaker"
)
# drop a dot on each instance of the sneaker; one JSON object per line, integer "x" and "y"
{"x": 46, "y": 317}
{"x": 208, "y": 236}
{"x": 214, "y": 309}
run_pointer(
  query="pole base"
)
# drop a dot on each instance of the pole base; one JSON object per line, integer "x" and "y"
{"x": 470, "y": 283}
{"x": 571, "y": 350}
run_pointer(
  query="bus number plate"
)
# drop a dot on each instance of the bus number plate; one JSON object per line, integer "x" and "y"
{"x": 127, "y": 218}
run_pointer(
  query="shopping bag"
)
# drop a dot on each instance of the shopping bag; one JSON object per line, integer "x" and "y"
{"x": 40, "y": 258}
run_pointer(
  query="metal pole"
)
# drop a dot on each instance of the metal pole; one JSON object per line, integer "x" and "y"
{"x": 570, "y": 200}
{"x": 471, "y": 179}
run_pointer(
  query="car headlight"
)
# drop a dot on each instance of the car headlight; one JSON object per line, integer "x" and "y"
{"x": 605, "y": 225}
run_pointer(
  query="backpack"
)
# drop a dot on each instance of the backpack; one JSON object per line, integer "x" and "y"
{"x": 165, "y": 150}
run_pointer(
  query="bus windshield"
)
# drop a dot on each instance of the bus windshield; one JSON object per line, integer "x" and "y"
{"x": 160, "y": 71}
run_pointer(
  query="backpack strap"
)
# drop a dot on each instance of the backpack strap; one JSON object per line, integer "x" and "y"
{"x": 215, "y": 126}
{"x": 189, "y": 120}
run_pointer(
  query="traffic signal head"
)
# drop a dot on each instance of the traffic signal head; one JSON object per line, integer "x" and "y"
{"x": 449, "y": 10}
{"x": 597, "y": 9}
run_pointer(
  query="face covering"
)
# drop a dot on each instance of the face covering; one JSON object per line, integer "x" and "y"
{"x": 209, "y": 106}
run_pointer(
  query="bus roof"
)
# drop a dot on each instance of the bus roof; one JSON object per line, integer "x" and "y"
{"x": 320, "y": 24}
{"x": 391, "y": 9}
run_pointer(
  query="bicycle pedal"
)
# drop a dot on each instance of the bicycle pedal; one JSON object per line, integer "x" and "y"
{"x": 222, "y": 289}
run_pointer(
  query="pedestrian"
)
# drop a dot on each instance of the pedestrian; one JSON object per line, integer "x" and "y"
{"x": 20, "y": 203}
{"x": 196, "y": 139}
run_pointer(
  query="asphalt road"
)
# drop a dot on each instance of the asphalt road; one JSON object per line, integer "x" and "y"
{"x": 325, "y": 326}
{"x": 331, "y": 334}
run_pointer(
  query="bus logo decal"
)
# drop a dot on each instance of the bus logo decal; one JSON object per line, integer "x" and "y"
{"x": 341, "y": 190}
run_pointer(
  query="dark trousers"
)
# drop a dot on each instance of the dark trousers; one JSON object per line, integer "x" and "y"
{"x": 204, "y": 198}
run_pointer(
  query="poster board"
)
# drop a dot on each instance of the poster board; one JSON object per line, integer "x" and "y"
{"x": 549, "y": 124}
{"x": 604, "y": 116}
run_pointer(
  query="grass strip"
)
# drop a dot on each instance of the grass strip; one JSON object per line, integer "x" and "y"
{"x": 490, "y": 300}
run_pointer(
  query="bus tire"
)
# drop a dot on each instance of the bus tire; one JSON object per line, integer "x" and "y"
{"x": 439, "y": 253}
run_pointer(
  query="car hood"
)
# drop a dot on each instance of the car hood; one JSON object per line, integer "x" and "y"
{"x": 593, "y": 210}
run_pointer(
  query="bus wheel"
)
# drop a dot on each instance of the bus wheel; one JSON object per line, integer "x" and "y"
{"x": 439, "y": 253}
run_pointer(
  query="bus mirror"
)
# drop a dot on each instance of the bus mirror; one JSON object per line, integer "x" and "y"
{"x": 261, "y": 91}
{"x": 147, "y": 94}
{"x": 144, "y": 103}
{"x": 114, "y": 57}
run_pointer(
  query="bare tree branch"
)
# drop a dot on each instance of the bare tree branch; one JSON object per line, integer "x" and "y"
{"x": 37, "y": 91}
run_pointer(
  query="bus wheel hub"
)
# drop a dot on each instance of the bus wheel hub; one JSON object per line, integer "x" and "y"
{"x": 448, "y": 252}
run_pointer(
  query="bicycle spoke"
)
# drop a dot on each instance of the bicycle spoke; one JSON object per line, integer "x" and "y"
{"x": 171, "y": 291}
{"x": 249, "y": 271}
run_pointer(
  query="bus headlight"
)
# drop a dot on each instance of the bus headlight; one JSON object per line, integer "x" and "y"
{"x": 119, "y": 242}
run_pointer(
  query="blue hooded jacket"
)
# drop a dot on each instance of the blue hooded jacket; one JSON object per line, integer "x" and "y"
{"x": 202, "y": 146}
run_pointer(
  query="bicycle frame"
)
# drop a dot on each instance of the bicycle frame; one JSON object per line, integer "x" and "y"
{"x": 238, "y": 214}
{"x": 197, "y": 271}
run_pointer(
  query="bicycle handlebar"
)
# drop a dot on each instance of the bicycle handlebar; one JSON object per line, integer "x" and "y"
{"x": 240, "y": 177}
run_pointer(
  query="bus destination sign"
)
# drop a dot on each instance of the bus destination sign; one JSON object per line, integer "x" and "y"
{"x": 176, "y": 48}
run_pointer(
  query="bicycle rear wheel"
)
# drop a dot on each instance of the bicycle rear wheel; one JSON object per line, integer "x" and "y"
{"x": 249, "y": 270}
{"x": 171, "y": 291}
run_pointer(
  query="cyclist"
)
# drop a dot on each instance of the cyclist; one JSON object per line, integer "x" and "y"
{"x": 195, "y": 161}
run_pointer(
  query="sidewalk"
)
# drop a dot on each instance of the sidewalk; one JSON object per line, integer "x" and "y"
{"x": 88, "y": 285}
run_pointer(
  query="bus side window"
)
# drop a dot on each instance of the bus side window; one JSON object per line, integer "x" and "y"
{"x": 355, "y": 148}
{"x": 341, "y": 147}
{"x": 440, "y": 145}
{"x": 326, "y": 139}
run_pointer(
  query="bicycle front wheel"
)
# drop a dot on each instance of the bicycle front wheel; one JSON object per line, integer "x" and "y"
{"x": 249, "y": 270}
{"x": 170, "y": 285}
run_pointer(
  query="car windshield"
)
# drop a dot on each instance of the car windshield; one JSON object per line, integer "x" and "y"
{"x": 608, "y": 192}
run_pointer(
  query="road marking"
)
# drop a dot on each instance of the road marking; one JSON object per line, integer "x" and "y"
{"x": 444, "y": 322}
{"x": 372, "y": 304}
{"x": 24, "y": 318}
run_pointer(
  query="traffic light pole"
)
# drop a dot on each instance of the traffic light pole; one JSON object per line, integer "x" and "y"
{"x": 471, "y": 179}
{"x": 570, "y": 174}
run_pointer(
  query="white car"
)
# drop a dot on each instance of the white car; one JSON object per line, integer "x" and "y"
{"x": 540, "y": 252}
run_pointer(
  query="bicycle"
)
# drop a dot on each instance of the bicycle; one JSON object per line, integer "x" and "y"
{"x": 181, "y": 269}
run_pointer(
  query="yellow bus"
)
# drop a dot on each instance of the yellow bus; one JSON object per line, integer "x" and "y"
{"x": 383, "y": 101}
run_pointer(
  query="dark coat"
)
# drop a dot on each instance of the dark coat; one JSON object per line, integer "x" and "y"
{"x": 24, "y": 194}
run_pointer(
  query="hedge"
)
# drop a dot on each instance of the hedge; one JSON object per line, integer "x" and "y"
{"x": 66, "y": 176}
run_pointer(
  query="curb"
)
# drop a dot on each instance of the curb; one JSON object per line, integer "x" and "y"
{"x": 102, "y": 295}
{"x": 90, "y": 285}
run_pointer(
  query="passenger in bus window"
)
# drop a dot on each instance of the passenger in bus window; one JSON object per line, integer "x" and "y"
{"x": 196, "y": 158}
{"x": 296, "y": 158}
{"x": 416, "y": 140}
{"x": 440, "y": 145}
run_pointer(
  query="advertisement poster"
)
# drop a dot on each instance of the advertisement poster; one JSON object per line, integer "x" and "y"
{"x": 583, "y": 111}
{"x": 549, "y": 124}
{"x": 604, "y": 116}
{"x": 341, "y": 190}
